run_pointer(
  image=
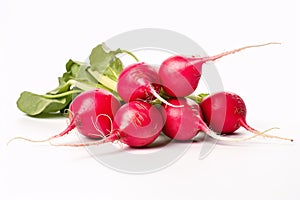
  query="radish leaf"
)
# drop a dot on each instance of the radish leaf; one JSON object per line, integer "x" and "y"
{"x": 102, "y": 72}
{"x": 33, "y": 104}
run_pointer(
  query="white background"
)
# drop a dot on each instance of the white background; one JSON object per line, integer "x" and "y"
{"x": 38, "y": 37}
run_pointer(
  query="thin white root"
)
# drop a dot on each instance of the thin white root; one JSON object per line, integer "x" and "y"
{"x": 110, "y": 138}
{"x": 249, "y": 128}
{"x": 78, "y": 144}
{"x": 162, "y": 99}
{"x": 95, "y": 123}
{"x": 275, "y": 137}
{"x": 26, "y": 139}
{"x": 223, "y": 138}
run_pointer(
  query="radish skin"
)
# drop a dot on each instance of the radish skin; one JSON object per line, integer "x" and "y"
{"x": 184, "y": 123}
{"x": 88, "y": 114}
{"x": 139, "y": 81}
{"x": 180, "y": 75}
{"x": 136, "y": 124}
{"x": 225, "y": 112}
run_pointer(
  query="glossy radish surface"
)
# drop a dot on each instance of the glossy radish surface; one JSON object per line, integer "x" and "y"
{"x": 183, "y": 123}
{"x": 136, "y": 124}
{"x": 225, "y": 112}
{"x": 138, "y": 82}
{"x": 90, "y": 113}
{"x": 180, "y": 75}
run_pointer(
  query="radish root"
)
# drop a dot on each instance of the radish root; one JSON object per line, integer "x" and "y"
{"x": 66, "y": 131}
{"x": 249, "y": 128}
{"x": 95, "y": 123}
{"x": 224, "y": 138}
{"x": 113, "y": 137}
{"x": 213, "y": 58}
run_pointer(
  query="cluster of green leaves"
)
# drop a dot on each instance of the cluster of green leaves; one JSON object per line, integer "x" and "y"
{"x": 102, "y": 72}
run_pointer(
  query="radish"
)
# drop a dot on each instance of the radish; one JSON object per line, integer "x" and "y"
{"x": 136, "y": 124}
{"x": 225, "y": 112}
{"x": 184, "y": 123}
{"x": 180, "y": 75}
{"x": 139, "y": 81}
{"x": 89, "y": 112}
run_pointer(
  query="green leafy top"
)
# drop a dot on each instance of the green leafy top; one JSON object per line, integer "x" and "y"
{"x": 106, "y": 62}
{"x": 102, "y": 72}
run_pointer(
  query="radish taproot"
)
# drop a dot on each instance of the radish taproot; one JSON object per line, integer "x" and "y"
{"x": 184, "y": 123}
{"x": 136, "y": 124}
{"x": 139, "y": 81}
{"x": 225, "y": 112}
{"x": 88, "y": 113}
{"x": 180, "y": 75}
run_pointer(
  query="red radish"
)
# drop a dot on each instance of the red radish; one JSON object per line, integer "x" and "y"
{"x": 139, "y": 81}
{"x": 184, "y": 123}
{"x": 89, "y": 112}
{"x": 180, "y": 75}
{"x": 225, "y": 112}
{"x": 136, "y": 124}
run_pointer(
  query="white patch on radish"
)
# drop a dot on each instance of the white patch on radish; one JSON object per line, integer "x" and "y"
{"x": 86, "y": 104}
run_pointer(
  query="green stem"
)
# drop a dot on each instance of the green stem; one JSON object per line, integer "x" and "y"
{"x": 104, "y": 80}
{"x": 198, "y": 98}
{"x": 82, "y": 85}
{"x": 131, "y": 54}
{"x": 194, "y": 98}
{"x": 56, "y": 96}
{"x": 155, "y": 102}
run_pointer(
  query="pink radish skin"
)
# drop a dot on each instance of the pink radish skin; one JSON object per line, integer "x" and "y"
{"x": 180, "y": 75}
{"x": 225, "y": 112}
{"x": 89, "y": 113}
{"x": 139, "y": 81}
{"x": 136, "y": 124}
{"x": 90, "y": 110}
{"x": 183, "y": 123}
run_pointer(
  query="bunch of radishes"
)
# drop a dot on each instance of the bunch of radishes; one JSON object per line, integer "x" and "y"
{"x": 157, "y": 100}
